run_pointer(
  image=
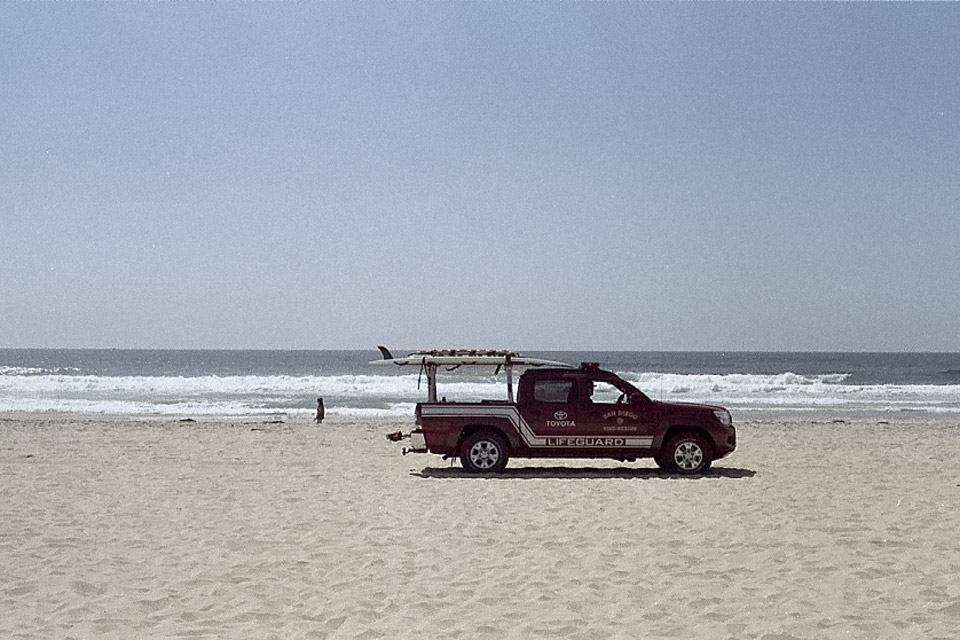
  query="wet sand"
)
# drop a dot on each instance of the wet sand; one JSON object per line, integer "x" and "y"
{"x": 154, "y": 528}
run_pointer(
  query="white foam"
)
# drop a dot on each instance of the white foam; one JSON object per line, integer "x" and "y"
{"x": 32, "y": 390}
{"x": 346, "y": 386}
{"x": 22, "y": 371}
{"x": 790, "y": 389}
{"x": 399, "y": 409}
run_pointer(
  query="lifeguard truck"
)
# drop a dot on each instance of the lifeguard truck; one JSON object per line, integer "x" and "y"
{"x": 561, "y": 411}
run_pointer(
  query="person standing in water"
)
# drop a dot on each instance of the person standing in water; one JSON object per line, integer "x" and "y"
{"x": 321, "y": 412}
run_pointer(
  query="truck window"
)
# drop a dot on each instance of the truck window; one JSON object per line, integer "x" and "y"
{"x": 603, "y": 392}
{"x": 552, "y": 390}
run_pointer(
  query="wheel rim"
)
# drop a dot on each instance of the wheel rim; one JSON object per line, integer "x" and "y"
{"x": 484, "y": 454}
{"x": 688, "y": 456}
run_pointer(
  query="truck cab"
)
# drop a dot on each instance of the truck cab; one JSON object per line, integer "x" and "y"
{"x": 589, "y": 403}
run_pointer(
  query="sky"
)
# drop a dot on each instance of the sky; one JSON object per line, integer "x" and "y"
{"x": 523, "y": 175}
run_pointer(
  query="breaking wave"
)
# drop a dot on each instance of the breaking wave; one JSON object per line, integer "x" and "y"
{"x": 31, "y": 389}
{"x": 790, "y": 390}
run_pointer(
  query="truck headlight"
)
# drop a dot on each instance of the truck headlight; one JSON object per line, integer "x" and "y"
{"x": 724, "y": 417}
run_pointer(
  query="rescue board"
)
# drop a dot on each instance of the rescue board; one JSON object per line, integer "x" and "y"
{"x": 464, "y": 357}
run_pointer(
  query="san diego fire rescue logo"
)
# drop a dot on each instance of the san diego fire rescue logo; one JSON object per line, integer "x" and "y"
{"x": 619, "y": 415}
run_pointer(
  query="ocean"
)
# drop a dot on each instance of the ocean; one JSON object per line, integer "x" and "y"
{"x": 238, "y": 383}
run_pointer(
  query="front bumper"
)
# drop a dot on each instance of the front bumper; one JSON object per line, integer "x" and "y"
{"x": 727, "y": 442}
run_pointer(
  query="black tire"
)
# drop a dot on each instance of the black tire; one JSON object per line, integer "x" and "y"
{"x": 686, "y": 454}
{"x": 484, "y": 452}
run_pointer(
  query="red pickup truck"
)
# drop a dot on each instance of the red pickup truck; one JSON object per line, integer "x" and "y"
{"x": 567, "y": 412}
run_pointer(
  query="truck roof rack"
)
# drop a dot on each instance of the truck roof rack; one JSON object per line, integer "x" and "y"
{"x": 430, "y": 360}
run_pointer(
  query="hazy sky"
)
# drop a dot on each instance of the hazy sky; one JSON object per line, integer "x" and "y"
{"x": 548, "y": 175}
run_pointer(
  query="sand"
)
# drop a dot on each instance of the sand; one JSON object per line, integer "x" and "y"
{"x": 155, "y": 528}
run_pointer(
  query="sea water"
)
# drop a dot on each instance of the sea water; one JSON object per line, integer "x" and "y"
{"x": 236, "y": 383}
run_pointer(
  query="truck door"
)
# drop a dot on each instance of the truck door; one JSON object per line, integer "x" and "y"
{"x": 607, "y": 411}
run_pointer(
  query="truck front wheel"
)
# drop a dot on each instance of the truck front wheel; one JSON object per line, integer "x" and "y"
{"x": 483, "y": 452}
{"x": 687, "y": 454}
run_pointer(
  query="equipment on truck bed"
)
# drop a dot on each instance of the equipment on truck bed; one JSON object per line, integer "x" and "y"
{"x": 430, "y": 361}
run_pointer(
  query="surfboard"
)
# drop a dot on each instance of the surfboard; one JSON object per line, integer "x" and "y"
{"x": 467, "y": 357}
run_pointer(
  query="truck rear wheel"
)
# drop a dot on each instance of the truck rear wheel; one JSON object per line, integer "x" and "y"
{"x": 686, "y": 454}
{"x": 483, "y": 452}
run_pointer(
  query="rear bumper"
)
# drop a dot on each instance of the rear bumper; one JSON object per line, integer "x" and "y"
{"x": 418, "y": 444}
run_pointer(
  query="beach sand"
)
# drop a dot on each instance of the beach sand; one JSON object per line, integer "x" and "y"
{"x": 156, "y": 528}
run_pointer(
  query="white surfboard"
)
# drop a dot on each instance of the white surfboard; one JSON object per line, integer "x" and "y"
{"x": 464, "y": 357}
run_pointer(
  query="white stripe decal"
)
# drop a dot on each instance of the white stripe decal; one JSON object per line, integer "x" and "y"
{"x": 512, "y": 414}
